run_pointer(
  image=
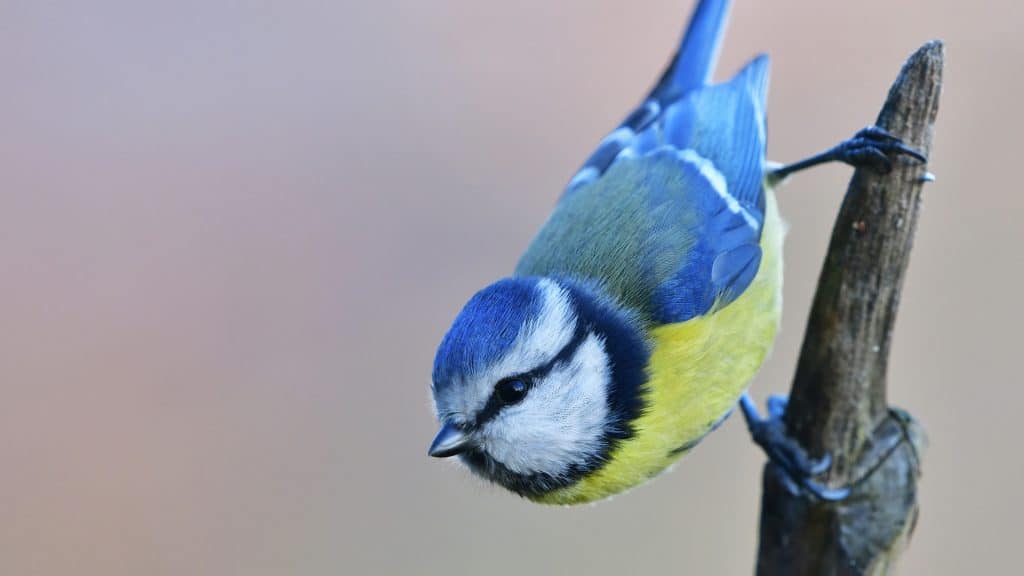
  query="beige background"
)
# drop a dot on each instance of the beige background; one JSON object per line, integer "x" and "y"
{"x": 231, "y": 235}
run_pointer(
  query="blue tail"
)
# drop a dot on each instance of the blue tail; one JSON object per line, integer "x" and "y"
{"x": 695, "y": 62}
{"x": 690, "y": 69}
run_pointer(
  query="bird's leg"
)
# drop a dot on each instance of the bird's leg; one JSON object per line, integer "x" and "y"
{"x": 871, "y": 147}
{"x": 797, "y": 467}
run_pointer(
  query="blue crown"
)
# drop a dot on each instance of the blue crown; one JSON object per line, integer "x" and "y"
{"x": 486, "y": 328}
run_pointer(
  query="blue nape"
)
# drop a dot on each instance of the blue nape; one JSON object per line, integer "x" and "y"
{"x": 486, "y": 328}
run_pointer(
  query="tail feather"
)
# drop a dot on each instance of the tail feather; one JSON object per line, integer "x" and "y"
{"x": 695, "y": 62}
{"x": 691, "y": 68}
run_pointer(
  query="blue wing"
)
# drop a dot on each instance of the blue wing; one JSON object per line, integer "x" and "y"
{"x": 668, "y": 210}
{"x": 725, "y": 124}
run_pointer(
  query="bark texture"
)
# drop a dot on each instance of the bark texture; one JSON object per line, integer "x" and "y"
{"x": 838, "y": 400}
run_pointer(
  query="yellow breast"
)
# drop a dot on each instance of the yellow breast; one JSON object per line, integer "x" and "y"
{"x": 697, "y": 371}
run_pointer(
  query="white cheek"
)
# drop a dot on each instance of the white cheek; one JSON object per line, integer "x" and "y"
{"x": 562, "y": 420}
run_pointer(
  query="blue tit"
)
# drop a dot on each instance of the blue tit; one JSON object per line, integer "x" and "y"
{"x": 639, "y": 314}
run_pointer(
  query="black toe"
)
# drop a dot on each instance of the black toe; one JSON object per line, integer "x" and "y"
{"x": 872, "y": 147}
{"x": 797, "y": 467}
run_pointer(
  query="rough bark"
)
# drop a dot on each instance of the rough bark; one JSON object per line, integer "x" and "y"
{"x": 838, "y": 400}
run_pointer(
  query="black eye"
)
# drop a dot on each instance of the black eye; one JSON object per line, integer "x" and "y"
{"x": 511, "y": 390}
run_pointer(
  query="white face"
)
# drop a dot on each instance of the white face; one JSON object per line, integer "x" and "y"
{"x": 562, "y": 420}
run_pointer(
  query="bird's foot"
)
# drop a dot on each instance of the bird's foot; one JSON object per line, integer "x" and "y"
{"x": 798, "y": 469}
{"x": 872, "y": 147}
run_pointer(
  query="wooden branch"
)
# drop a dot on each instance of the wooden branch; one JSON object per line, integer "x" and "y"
{"x": 838, "y": 401}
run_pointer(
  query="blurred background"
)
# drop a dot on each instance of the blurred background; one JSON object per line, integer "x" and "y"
{"x": 232, "y": 234}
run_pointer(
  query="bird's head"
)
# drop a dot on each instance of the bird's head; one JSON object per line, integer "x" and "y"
{"x": 535, "y": 381}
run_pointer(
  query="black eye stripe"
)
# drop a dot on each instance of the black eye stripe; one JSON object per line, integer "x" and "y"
{"x": 566, "y": 353}
{"x": 495, "y": 404}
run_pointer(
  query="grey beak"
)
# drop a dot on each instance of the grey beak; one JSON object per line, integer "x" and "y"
{"x": 449, "y": 442}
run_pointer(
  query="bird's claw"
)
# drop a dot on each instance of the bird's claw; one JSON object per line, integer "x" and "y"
{"x": 777, "y": 404}
{"x": 796, "y": 466}
{"x": 872, "y": 147}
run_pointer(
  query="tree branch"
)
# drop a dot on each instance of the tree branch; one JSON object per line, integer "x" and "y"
{"x": 838, "y": 400}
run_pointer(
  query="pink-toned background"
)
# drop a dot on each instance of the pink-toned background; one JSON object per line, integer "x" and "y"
{"x": 231, "y": 235}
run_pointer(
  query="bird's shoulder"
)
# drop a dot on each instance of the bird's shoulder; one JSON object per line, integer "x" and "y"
{"x": 654, "y": 232}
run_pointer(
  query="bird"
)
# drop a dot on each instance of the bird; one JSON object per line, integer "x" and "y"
{"x": 635, "y": 320}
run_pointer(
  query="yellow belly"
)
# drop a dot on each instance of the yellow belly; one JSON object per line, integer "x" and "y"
{"x": 697, "y": 372}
